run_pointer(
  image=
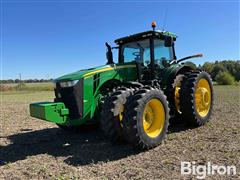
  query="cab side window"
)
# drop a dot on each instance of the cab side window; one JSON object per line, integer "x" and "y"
{"x": 162, "y": 54}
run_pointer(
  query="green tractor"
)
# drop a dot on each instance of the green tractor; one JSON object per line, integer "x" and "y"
{"x": 135, "y": 98}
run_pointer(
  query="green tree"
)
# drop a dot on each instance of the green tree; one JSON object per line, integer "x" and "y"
{"x": 208, "y": 67}
{"x": 217, "y": 69}
{"x": 224, "y": 78}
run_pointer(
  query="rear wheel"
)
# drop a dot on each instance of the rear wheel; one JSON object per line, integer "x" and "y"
{"x": 172, "y": 92}
{"x": 112, "y": 114}
{"x": 196, "y": 98}
{"x": 146, "y": 118}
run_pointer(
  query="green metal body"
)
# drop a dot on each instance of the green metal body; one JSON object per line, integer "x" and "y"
{"x": 50, "y": 111}
{"x": 93, "y": 82}
{"x": 108, "y": 73}
{"x": 57, "y": 112}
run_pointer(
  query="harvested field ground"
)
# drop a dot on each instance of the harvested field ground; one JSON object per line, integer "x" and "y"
{"x": 34, "y": 149}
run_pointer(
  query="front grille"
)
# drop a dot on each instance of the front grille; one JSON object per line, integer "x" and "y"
{"x": 72, "y": 97}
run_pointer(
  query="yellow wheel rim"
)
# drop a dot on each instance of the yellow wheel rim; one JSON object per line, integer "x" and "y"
{"x": 203, "y": 97}
{"x": 153, "y": 118}
{"x": 177, "y": 96}
{"x": 120, "y": 116}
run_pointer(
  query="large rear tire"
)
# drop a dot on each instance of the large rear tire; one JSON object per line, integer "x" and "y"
{"x": 112, "y": 114}
{"x": 196, "y": 98}
{"x": 173, "y": 97}
{"x": 146, "y": 118}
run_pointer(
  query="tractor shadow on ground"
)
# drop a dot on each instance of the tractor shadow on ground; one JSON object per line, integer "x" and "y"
{"x": 176, "y": 127}
{"x": 80, "y": 148}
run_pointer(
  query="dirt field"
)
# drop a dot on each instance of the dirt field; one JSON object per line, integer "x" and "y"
{"x": 34, "y": 149}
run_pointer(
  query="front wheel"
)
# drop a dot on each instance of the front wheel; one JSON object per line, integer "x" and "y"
{"x": 112, "y": 114}
{"x": 146, "y": 118}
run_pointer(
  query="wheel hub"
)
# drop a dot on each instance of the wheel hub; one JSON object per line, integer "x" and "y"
{"x": 177, "y": 97}
{"x": 148, "y": 117}
{"x": 153, "y": 118}
{"x": 203, "y": 97}
{"x": 121, "y": 112}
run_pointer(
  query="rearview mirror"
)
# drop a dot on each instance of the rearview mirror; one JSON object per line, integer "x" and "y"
{"x": 109, "y": 54}
{"x": 168, "y": 41}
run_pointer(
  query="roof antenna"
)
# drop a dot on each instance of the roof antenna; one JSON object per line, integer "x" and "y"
{"x": 165, "y": 19}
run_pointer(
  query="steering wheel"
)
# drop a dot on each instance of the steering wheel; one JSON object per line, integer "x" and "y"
{"x": 162, "y": 62}
{"x": 136, "y": 53}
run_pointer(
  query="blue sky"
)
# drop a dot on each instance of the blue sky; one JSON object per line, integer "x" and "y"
{"x": 46, "y": 39}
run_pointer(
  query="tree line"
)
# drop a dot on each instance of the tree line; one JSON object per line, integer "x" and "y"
{"x": 223, "y": 72}
{"x": 9, "y": 81}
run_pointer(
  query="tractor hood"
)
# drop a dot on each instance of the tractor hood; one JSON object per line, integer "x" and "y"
{"x": 79, "y": 74}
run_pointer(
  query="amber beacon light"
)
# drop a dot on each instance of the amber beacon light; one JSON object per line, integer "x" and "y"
{"x": 154, "y": 25}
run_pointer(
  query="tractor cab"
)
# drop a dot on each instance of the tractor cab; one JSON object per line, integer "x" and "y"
{"x": 152, "y": 51}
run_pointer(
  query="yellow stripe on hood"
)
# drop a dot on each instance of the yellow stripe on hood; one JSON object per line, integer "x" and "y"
{"x": 109, "y": 69}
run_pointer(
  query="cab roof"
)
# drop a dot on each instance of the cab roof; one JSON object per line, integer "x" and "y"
{"x": 151, "y": 33}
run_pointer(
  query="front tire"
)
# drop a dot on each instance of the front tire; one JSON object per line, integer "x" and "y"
{"x": 112, "y": 114}
{"x": 146, "y": 118}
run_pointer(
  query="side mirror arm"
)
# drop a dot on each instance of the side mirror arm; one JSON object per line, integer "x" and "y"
{"x": 109, "y": 54}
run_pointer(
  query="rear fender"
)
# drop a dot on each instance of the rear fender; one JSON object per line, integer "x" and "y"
{"x": 172, "y": 72}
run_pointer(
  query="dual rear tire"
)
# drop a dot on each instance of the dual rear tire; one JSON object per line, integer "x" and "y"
{"x": 191, "y": 98}
{"x": 196, "y": 98}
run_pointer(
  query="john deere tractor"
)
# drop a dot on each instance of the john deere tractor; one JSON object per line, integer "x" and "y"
{"x": 135, "y": 97}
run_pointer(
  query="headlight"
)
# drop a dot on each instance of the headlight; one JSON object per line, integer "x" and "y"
{"x": 68, "y": 83}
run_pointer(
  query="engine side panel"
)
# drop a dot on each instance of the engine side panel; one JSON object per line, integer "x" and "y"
{"x": 96, "y": 80}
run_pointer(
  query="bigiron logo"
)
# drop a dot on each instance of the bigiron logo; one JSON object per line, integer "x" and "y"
{"x": 201, "y": 171}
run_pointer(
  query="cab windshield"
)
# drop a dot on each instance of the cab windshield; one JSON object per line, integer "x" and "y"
{"x": 139, "y": 51}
